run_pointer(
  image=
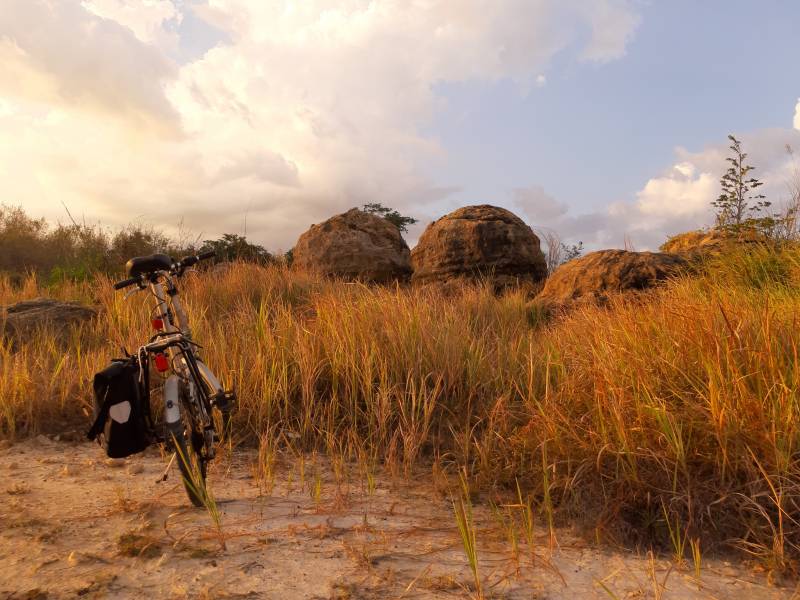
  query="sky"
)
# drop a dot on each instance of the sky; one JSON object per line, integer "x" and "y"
{"x": 603, "y": 121}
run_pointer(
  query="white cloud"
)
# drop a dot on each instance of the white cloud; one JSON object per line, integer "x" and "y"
{"x": 678, "y": 200}
{"x": 149, "y": 20}
{"x": 680, "y": 192}
{"x": 612, "y": 29}
{"x": 310, "y": 108}
{"x": 797, "y": 115}
{"x": 57, "y": 55}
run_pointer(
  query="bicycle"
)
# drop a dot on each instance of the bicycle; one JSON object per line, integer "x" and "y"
{"x": 191, "y": 391}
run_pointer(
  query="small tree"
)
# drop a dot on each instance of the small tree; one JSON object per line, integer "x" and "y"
{"x": 737, "y": 206}
{"x": 391, "y": 215}
{"x": 236, "y": 247}
{"x": 571, "y": 251}
{"x": 558, "y": 252}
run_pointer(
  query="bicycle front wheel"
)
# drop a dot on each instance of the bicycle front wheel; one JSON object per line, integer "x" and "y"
{"x": 190, "y": 462}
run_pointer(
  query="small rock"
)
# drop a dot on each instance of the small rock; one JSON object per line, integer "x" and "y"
{"x": 73, "y": 559}
{"x": 135, "y": 468}
{"x": 17, "y": 489}
{"x": 70, "y": 436}
{"x": 48, "y": 460}
{"x": 68, "y": 471}
{"x": 12, "y": 466}
{"x": 116, "y": 463}
{"x": 42, "y": 440}
{"x": 5, "y": 444}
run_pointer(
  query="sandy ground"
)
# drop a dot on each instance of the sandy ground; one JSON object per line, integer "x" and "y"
{"x": 73, "y": 525}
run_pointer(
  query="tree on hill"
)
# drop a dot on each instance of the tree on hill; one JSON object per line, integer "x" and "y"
{"x": 391, "y": 215}
{"x": 738, "y": 206}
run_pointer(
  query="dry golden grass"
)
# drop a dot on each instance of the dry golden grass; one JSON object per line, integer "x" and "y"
{"x": 664, "y": 417}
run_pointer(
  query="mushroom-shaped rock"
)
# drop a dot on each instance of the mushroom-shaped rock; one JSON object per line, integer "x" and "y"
{"x": 354, "y": 245}
{"x": 698, "y": 244}
{"x": 479, "y": 241}
{"x": 23, "y": 318}
{"x": 598, "y": 275}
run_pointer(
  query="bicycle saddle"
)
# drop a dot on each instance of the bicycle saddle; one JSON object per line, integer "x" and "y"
{"x": 148, "y": 264}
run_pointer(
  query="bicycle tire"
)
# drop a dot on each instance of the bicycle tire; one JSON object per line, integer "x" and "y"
{"x": 192, "y": 467}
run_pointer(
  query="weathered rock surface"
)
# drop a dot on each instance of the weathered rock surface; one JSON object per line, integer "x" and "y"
{"x": 479, "y": 241}
{"x": 21, "y": 319}
{"x": 354, "y": 245}
{"x": 598, "y": 275}
{"x": 707, "y": 243}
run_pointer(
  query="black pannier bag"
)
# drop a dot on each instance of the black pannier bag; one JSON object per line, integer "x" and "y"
{"x": 122, "y": 408}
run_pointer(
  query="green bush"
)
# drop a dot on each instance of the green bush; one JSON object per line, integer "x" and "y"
{"x": 78, "y": 252}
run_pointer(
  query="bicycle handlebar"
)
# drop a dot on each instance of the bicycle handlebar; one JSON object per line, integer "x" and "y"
{"x": 125, "y": 283}
{"x": 177, "y": 268}
{"x": 188, "y": 261}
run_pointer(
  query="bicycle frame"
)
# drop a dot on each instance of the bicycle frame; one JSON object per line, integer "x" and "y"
{"x": 160, "y": 292}
{"x": 201, "y": 388}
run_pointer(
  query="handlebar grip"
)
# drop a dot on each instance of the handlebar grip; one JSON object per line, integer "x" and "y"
{"x": 125, "y": 283}
{"x": 205, "y": 255}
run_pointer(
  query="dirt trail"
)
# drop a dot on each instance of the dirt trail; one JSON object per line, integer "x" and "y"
{"x": 73, "y": 526}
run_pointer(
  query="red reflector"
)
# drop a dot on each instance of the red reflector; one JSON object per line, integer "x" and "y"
{"x": 158, "y": 324}
{"x": 162, "y": 364}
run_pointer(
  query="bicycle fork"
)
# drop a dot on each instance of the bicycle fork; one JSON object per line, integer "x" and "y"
{"x": 172, "y": 402}
{"x": 172, "y": 414}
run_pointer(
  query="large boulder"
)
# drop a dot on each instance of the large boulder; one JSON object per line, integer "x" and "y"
{"x": 354, "y": 245}
{"x": 20, "y": 320}
{"x": 600, "y": 274}
{"x": 712, "y": 242}
{"x": 477, "y": 242}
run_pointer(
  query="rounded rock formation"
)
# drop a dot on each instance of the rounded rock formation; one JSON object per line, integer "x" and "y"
{"x": 476, "y": 242}
{"x": 600, "y": 274}
{"x": 698, "y": 244}
{"x": 356, "y": 246}
{"x": 19, "y": 321}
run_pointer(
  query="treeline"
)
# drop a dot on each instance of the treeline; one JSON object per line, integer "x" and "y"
{"x": 78, "y": 251}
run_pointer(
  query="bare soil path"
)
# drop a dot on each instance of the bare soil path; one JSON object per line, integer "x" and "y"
{"x": 72, "y": 525}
